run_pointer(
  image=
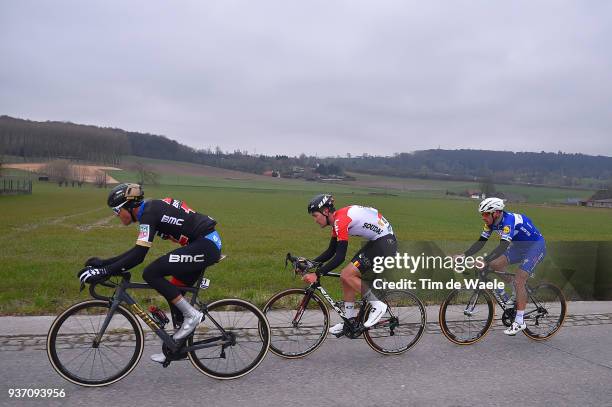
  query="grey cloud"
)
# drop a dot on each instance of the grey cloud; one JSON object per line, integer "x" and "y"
{"x": 318, "y": 77}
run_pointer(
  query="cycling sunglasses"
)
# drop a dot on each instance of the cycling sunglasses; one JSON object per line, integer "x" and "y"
{"x": 117, "y": 209}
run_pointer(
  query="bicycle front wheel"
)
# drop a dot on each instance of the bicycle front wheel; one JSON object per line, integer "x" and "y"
{"x": 299, "y": 321}
{"x": 73, "y": 351}
{"x": 401, "y": 327}
{"x": 239, "y": 337}
{"x": 466, "y": 316}
{"x": 545, "y": 311}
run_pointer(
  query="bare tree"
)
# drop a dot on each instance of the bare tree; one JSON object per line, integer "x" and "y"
{"x": 100, "y": 179}
{"x": 59, "y": 170}
{"x": 146, "y": 175}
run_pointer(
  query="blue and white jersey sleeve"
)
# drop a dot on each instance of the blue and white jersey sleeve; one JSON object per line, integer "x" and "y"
{"x": 486, "y": 231}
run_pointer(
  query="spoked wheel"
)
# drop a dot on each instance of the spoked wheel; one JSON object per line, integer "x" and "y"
{"x": 545, "y": 311}
{"x": 240, "y": 337}
{"x": 401, "y": 327}
{"x": 299, "y": 321}
{"x": 76, "y": 356}
{"x": 466, "y": 315}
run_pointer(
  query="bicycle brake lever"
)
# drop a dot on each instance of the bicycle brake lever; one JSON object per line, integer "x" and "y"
{"x": 82, "y": 287}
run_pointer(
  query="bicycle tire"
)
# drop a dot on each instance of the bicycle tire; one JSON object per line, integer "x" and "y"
{"x": 551, "y": 298}
{"x": 405, "y": 317}
{"x": 454, "y": 322}
{"x": 287, "y": 337}
{"x": 79, "y": 318}
{"x": 246, "y": 323}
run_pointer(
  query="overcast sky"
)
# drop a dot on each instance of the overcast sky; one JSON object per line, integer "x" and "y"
{"x": 320, "y": 77}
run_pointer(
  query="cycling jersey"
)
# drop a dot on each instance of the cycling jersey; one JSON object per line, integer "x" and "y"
{"x": 171, "y": 219}
{"x": 513, "y": 227}
{"x": 360, "y": 221}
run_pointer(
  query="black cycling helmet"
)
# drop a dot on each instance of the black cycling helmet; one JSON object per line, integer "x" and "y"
{"x": 125, "y": 195}
{"x": 319, "y": 202}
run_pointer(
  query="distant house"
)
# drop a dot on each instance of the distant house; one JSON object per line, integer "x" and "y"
{"x": 601, "y": 199}
{"x": 475, "y": 194}
{"x": 272, "y": 173}
{"x": 597, "y": 203}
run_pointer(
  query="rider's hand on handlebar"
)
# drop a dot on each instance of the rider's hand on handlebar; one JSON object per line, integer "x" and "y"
{"x": 93, "y": 275}
{"x": 310, "y": 278}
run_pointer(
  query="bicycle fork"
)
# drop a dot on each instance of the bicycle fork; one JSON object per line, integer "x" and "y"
{"x": 470, "y": 309}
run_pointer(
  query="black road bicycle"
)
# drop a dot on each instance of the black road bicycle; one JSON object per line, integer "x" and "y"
{"x": 299, "y": 318}
{"x": 466, "y": 315}
{"x": 100, "y": 341}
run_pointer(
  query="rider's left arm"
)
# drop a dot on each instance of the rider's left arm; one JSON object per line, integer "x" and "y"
{"x": 128, "y": 260}
{"x": 338, "y": 258}
{"x": 498, "y": 251}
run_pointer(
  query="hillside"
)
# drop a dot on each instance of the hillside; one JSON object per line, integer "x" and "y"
{"x": 32, "y": 140}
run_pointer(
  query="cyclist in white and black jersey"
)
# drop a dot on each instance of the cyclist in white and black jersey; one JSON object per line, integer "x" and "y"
{"x": 170, "y": 219}
{"x": 352, "y": 220}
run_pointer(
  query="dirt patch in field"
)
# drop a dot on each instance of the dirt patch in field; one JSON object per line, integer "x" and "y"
{"x": 90, "y": 172}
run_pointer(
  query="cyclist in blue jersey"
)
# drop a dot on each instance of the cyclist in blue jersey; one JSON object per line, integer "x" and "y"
{"x": 520, "y": 243}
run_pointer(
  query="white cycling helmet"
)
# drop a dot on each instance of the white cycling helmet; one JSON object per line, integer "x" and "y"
{"x": 491, "y": 205}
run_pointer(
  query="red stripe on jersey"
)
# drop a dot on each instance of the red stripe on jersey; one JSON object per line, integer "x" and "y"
{"x": 341, "y": 224}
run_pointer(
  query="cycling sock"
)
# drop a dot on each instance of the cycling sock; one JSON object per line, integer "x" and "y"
{"x": 519, "y": 317}
{"x": 185, "y": 307}
{"x": 349, "y": 309}
{"x": 369, "y": 296}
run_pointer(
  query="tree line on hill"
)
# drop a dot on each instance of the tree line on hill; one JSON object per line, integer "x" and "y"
{"x": 49, "y": 140}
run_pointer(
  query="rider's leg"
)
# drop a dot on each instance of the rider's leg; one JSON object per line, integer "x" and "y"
{"x": 532, "y": 254}
{"x": 520, "y": 279}
{"x": 350, "y": 280}
{"x": 500, "y": 264}
{"x": 186, "y": 264}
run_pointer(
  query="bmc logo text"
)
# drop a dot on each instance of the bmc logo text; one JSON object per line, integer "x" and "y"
{"x": 172, "y": 220}
{"x": 373, "y": 228}
{"x": 186, "y": 258}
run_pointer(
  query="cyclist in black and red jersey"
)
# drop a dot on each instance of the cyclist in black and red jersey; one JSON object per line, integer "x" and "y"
{"x": 170, "y": 219}
{"x": 352, "y": 220}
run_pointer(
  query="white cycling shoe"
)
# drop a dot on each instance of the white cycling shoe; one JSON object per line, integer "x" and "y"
{"x": 337, "y": 329}
{"x": 515, "y": 328}
{"x": 376, "y": 312}
{"x": 158, "y": 357}
{"x": 189, "y": 325}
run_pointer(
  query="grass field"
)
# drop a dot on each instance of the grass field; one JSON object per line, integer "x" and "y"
{"x": 49, "y": 234}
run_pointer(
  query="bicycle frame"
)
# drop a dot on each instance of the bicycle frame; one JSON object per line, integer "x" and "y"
{"x": 317, "y": 286}
{"x": 482, "y": 275}
{"x": 121, "y": 296}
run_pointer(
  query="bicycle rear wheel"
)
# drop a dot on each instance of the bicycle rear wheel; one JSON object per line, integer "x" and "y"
{"x": 241, "y": 337}
{"x": 298, "y": 322}
{"x": 71, "y": 349}
{"x": 401, "y": 327}
{"x": 545, "y": 311}
{"x": 466, "y": 316}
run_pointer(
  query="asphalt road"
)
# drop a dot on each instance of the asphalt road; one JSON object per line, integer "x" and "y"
{"x": 572, "y": 368}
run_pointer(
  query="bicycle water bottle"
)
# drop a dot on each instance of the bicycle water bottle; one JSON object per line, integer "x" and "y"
{"x": 159, "y": 316}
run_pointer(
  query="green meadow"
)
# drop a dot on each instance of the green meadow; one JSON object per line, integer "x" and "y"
{"x": 49, "y": 234}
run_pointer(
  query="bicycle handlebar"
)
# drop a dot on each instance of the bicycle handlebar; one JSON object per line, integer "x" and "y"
{"x": 106, "y": 283}
{"x": 301, "y": 265}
